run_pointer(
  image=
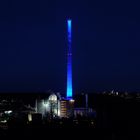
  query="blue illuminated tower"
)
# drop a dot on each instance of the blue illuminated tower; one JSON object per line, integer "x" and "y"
{"x": 69, "y": 61}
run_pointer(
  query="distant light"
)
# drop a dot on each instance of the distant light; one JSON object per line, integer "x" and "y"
{"x": 29, "y": 117}
{"x": 4, "y": 121}
{"x": 8, "y": 112}
{"x": 52, "y": 97}
{"x": 46, "y": 105}
{"x": 71, "y": 100}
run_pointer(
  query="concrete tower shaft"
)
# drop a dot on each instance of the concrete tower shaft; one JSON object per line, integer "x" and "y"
{"x": 69, "y": 61}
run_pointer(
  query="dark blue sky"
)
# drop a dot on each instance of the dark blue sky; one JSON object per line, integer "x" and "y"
{"x": 33, "y": 41}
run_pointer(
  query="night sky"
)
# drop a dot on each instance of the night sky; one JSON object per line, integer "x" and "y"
{"x": 33, "y": 45}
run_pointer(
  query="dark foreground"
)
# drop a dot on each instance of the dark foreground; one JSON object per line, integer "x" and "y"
{"x": 69, "y": 132}
{"x": 117, "y": 118}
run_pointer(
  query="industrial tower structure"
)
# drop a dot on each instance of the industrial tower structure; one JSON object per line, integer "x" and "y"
{"x": 69, "y": 60}
{"x": 63, "y": 107}
{"x": 67, "y": 104}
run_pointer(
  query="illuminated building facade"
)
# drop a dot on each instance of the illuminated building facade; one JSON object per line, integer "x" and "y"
{"x": 66, "y": 108}
{"x": 54, "y": 107}
{"x": 49, "y": 107}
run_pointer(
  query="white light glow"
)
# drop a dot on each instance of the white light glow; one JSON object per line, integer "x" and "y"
{"x": 8, "y": 112}
{"x": 29, "y": 117}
